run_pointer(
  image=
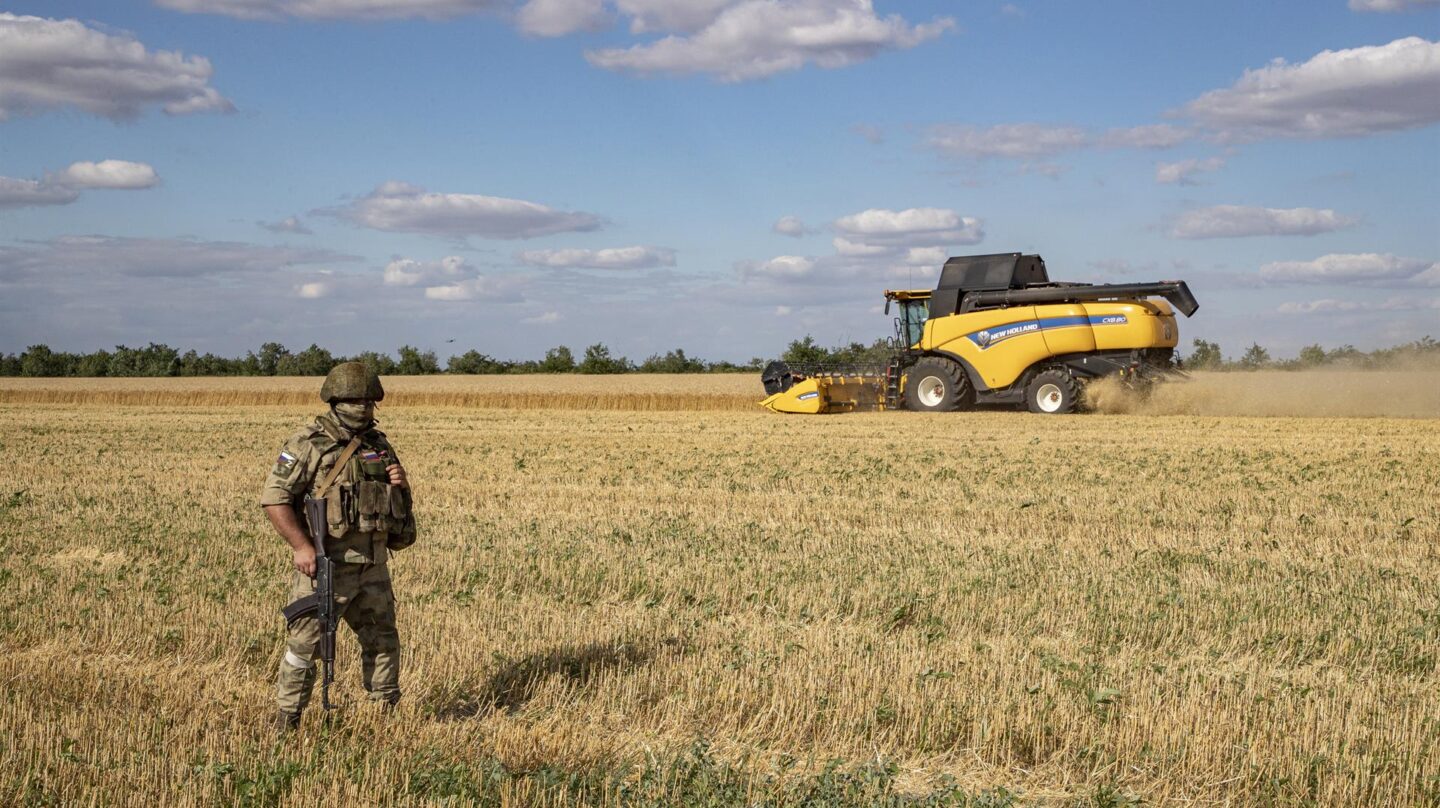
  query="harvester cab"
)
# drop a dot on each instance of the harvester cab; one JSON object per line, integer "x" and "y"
{"x": 913, "y": 309}
{"x": 997, "y": 330}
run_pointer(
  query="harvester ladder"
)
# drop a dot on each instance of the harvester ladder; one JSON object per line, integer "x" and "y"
{"x": 892, "y": 384}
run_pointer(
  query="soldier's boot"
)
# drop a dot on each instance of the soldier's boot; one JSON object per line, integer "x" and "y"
{"x": 286, "y": 723}
{"x": 380, "y": 676}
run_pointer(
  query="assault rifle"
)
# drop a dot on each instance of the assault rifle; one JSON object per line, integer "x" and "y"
{"x": 321, "y": 604}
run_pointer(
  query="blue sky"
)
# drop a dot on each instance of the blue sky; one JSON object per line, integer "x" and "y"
{"x": 717, "y": 175}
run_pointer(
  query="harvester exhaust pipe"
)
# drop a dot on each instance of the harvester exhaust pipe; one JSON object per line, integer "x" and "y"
{"x": 1177, "y": 292}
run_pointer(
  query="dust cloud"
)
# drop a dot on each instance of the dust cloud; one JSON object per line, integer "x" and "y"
{"x": 1296, "y": 394}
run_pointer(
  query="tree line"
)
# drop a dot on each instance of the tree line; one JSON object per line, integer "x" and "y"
{"x": 274, "y": 359}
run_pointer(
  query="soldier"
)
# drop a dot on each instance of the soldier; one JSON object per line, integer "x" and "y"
{"x": 368, "y": 502}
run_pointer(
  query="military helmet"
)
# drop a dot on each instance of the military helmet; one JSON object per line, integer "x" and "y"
{"x": 351, "y": 380}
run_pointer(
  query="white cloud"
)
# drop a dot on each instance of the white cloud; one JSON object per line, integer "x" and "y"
{"x": 47, "y": 63}
{"x": 479, "y": 288}
{"x": 859, "y": 249}
{"x": 109, "y": 174}
{"x": 402, "y": 208}
{"x": 289, "y": 224}
{"x": 1345, "y": 93}
{"x": 790, "y": 226}
{"x": 1181, "y": 173}
{"x": 333, "y": 9}
{"x": 1381, "y": 269}
{"x": 922, "y": 262}
{"x": 876, "y": 243}
{"x": 1236, "y": 221}
{"x": 753, "y": 39}
{"x": 1010, "y": 140}
{"x": 1150, "y": 136}
{"x": 783, "y": 311}
{"x": 639, "y": 257}
{"x": 926, "y": 256}
{"x": 1391, "y": 5}
{"x": 451, "y": 279}
{"x": 409, "y": 272}
{"x": 781, "y": 267}
{"x": 314, "y": 290}
{"x": 560, "y": 17}
{"x": 671, "y": 15}
{"x": 732, "y": 40}
{"x": 910, "y": 227}
{"x": 545, "y": 318}
{"x": 1333, "y": 306}
{"x": 18, "y": 193}
{"x": 65, "y": 187}
{"x": 451, "y": 292}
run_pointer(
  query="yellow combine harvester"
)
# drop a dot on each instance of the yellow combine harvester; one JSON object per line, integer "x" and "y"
{"x": 997, "y": 330}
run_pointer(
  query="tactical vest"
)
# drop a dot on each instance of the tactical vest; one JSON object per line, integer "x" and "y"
{"x": 362, "y": 498}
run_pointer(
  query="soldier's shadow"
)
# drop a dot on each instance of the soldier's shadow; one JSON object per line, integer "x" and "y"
{"x": 518, "y": 680}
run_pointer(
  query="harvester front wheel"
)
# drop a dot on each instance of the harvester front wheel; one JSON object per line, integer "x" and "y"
{"x": 1052, "y": 392}
{"x": 934, "y": 384}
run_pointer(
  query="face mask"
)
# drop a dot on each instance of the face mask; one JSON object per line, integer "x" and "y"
{"x": 353, "y": 415}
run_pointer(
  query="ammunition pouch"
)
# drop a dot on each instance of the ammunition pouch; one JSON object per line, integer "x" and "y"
{"x": 372, "y": 506}
{"x": 335, "y": 508}
{"x": 359, "y": 497}
{"x": 381, "y": 507}
{"x": 368, "y": 506}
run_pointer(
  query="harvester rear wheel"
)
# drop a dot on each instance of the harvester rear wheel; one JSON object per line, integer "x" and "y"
{"x": 1052, "y": 392}
{"x": 934, "y": 384}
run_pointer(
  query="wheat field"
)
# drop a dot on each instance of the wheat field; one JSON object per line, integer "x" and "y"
{"x": 658, "y": 603}
{"x": 1401, "y": 393}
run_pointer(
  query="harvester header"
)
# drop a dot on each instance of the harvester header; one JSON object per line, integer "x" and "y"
{"x": 997, "y": 330}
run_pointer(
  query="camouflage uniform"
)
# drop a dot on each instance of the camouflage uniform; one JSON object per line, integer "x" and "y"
{"x": 361, "y": 538}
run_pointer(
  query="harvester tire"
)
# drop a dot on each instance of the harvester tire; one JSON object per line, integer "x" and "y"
{"x": 935, "y": 384}
{"x": 1052, "y": 392}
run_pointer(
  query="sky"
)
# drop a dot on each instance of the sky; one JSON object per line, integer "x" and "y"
{"x": 720, "y": 176}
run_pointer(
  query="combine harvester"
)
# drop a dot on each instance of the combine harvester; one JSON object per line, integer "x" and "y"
{"x": 997, "y": 330}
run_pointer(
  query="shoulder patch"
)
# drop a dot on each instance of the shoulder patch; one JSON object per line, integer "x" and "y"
{"x": 285, "y": 464}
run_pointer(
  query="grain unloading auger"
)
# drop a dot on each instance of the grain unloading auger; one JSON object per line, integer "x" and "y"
{"x": 997, "y": 330}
